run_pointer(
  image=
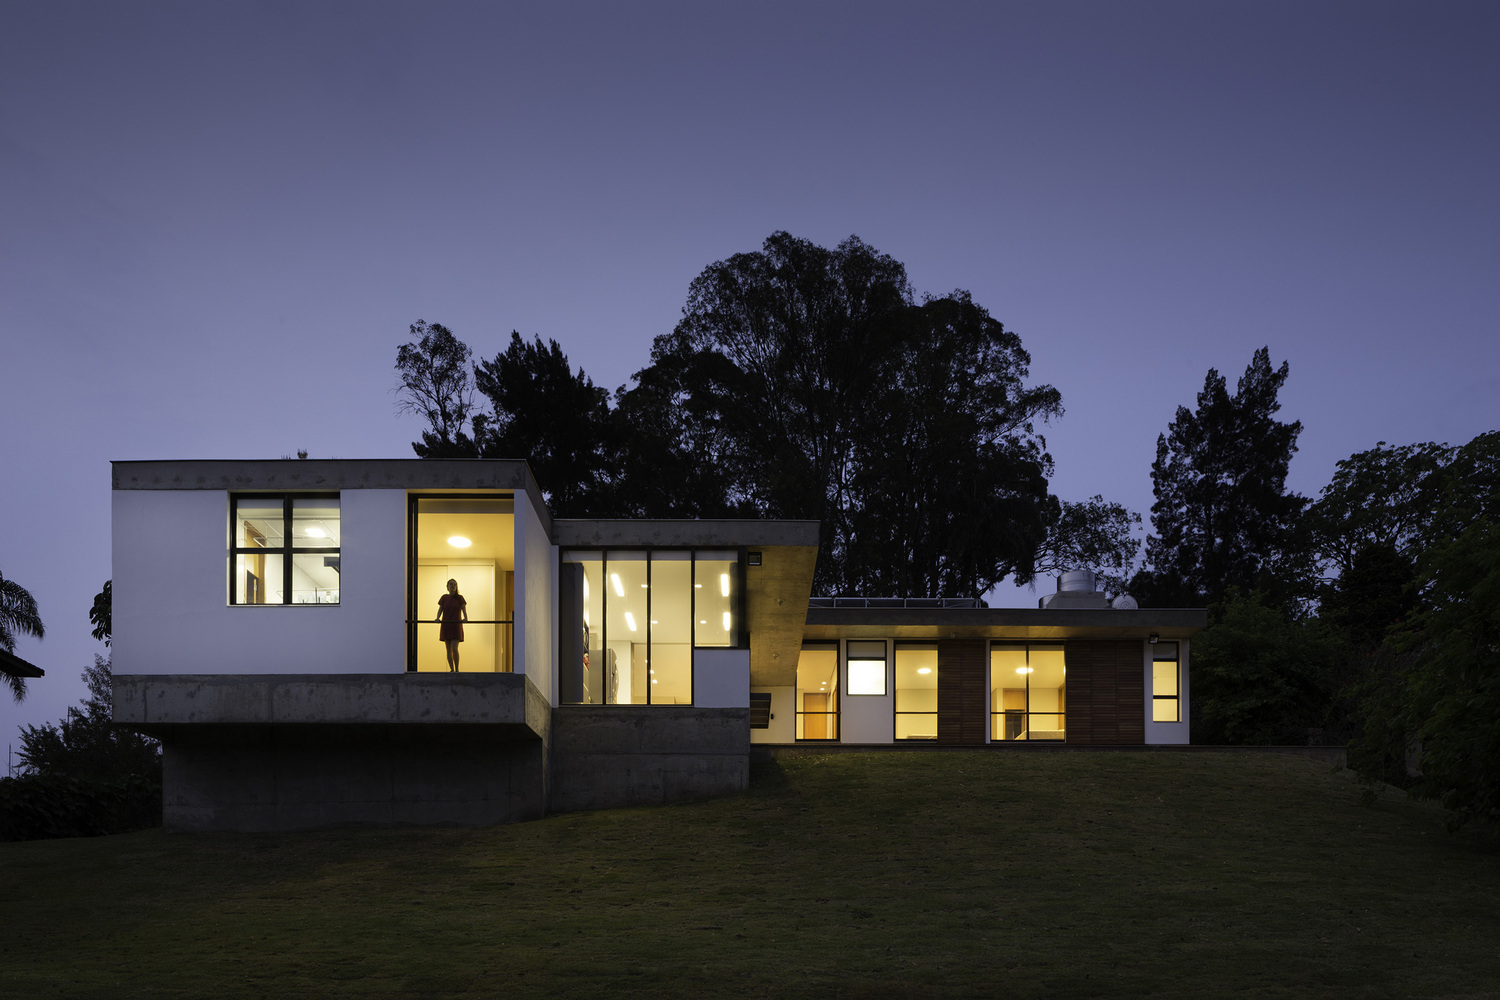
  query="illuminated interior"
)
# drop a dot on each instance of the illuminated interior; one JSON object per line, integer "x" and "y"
{"x": 641, "y": 613}
{"x": 473, "y": 543}
{"x": 867, "y": 673}
{"x": 916, "y": 691}
{"x": 286, "y": 551}
{"x": 1028, "y": 691}
{"x": 818, "y": 692}
{"x": 1166, "y": 701}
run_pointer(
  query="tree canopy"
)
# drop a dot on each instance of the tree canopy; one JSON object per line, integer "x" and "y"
{"x": 437, "y": 385}
{"x": 1222, "y": 516}
{"x": 18, "y": 616}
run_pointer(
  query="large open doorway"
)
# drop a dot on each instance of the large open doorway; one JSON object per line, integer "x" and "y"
{"x": 470, "y": 541}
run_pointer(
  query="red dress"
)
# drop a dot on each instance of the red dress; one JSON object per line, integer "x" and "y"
{"x": 451, "y": 609}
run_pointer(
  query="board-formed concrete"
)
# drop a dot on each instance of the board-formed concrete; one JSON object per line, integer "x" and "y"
{"x": 609, "y": 756}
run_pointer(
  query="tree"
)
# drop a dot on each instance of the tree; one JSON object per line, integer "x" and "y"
{"x": 18, "y": 615}
{"x": 1097, "y": 535}
{"x": 85, "y": 745}
{"x": 818, "y": 388}
{"x": 1222, "y": 516}
{"x": 100, "y": 613}
{"x": 437, "y": 385}
{"x": 1448, "y": 705}
{"x": 557, "y": 421}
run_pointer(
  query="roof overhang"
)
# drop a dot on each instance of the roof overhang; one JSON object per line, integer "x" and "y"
{"x": 1003, "y": 623}
{"x": 17, "y": 667}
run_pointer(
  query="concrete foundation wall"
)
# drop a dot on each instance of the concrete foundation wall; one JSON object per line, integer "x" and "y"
{"x": 300, "y": 778}
{"x": 608, "y": 756}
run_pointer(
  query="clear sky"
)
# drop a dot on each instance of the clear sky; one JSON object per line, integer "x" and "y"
{"x": 217, "y": 220}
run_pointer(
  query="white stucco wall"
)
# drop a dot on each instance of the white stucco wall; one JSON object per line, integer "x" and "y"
{"x": 866, "y": 718}
{"x": 783, "y": 727}
{"x": 536, "y": 600}
{"x": 171, "y": 611}
{"x": 1168, "y": 732}
{"x": 721, "y": 678}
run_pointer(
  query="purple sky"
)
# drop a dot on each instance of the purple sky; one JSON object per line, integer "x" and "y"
{"x": 217, "y": 221}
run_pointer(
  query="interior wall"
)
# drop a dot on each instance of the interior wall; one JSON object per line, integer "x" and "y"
{"x": 169, "y": 555}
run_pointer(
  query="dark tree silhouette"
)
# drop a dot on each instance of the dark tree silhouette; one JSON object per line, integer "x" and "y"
{"x": 1223, "y": 517}
{"x": 100, "y": 614}
{"x": 437, "y": 385}
{"x": 18, "y": 615}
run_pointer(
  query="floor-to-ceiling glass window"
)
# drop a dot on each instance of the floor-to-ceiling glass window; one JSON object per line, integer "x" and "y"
{"x": 818, "y": 691}
{"x": 631, "y": 618}
{"x": 916, "y": 691}
{"x": 1028, "y": 691}
{"x": 463, "y": 584}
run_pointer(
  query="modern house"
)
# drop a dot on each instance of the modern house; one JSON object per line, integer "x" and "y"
{"x": 275, "y": 625}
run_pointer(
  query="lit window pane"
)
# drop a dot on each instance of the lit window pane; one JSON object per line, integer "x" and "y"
{"x": 258, "y": 580}
{"x": 315, "y": 523}
{"x": 1164, "y": 679}
{"x": 817, "y": 693}
{"x": 626, "y": 650}
{"x": 315, "y": 578}
{"x": 715, "y": 579}
{"x": 866, "y": 667}
{"x": 916, "y": 692}
{"x": 259, "y": 524}
{"x": 671, "y": 668}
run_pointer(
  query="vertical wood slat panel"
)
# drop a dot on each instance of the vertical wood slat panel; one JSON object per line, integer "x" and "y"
{"x": 1106, "y": 693}
{"x": 963, "y": 707}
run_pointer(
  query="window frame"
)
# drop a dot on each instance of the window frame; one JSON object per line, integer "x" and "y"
{"x": 799, "y": 714}
{"x": 1175, "y": 699}
{"x": 885, "y": 674}
{"x": 896, "y": 713}
{"x": 287, "y": 550}
{"x": 738, "y": 589}
{"x": 1027, "y": 713}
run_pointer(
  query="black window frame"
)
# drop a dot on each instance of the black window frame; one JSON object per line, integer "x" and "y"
{"x": 838, "y": 696}
{"x": 1176, "y": 699}
{"x": 1026, "y": 713}
{"x": 286, "y": 550}
{"x": 895, "y": 687}
{"x": 742, "y": 632}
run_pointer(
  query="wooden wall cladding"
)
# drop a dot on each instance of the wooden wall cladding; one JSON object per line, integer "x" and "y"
{"x": 1106, "y": 692}
{"x": 963, "y": 703}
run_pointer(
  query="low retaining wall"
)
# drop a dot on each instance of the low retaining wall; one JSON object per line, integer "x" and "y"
{"x": 607, "y": 756}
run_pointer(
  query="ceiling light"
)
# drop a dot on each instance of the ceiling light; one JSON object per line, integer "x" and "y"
{"x": 697, "y": 586}
{"x": 924, "y": 670}
{"x": 703, "y": 622}
{"x": 726, "y": 621}
{"x": 459, "y": 542}
{"x": 645, "y": 585}
{"x": 315, "y": 532}
{"x": 630, "y": 620}
{"x": 1023, "y": 670}
{"x": 614, "y": 578}
{"x": 724, "y": 585}
{"x": 653, "y": 680}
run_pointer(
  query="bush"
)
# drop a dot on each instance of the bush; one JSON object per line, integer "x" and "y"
{"x": 38, "y": 806}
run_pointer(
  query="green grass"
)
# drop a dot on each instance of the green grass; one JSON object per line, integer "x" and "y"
{"x": 879, "y": 875}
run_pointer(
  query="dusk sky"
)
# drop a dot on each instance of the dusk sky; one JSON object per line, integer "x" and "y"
{"x": 218, "y": 220}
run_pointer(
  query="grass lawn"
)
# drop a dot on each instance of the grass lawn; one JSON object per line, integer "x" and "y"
{"x": 858, "y": 875}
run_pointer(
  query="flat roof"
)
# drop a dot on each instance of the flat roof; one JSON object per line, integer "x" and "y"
{"x": 1020, "y": 623}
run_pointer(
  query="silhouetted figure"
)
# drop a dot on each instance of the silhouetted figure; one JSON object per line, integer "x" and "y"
{"x": 453, "y": 611}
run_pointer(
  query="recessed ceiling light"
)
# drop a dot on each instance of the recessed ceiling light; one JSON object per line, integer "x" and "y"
{"x": 1023, "y": 670}
{"x": 924, "y": 670}
{"x": 726, "y": 621}
{"x": 630, "y": 620}
{"x": 724, "y": 584}
{"x": 459, "y": 542}
{"x": 315, "y": 532}
{"x": 614, "y": 578}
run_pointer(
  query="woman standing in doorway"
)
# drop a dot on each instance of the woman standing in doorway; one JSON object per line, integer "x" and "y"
{"x": 453, "y": 611}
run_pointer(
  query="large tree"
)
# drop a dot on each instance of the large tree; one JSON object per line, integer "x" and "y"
{"x": 556, "y": 420}
{"x": 1222, "y": 517}
{"x": 18, "y": 615}
{"x": 819, "y": 388}
{"x": 436, "y": 384}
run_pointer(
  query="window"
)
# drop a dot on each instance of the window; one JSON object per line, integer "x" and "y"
{"x": 1028, "y": 691}
{"x": 630, "y": 620}
{"x": 284, "y": 549}
{"x": 867, "y": 667}
{"x": 470, "y": 540}
{"x": 1166, "y": 685}
{"x": 916, "y": 691}
{"x": 818, "y": 691}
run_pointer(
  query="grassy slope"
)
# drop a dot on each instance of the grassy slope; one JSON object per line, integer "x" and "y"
{"x": 882, "y": 875}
